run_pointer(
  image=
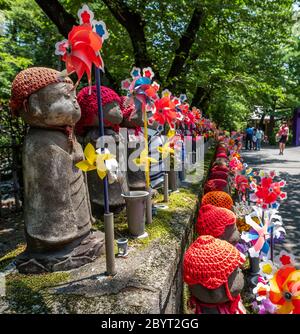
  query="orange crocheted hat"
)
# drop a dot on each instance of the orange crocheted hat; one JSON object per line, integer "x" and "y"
{"x": 209, "y": 262}
{"x": 212, "y": 220}
{"x": 218, "y": 198}
{"x": 215, "y": 184}
{"x": 218, "y": 175}
{"x": 31, "y": 80}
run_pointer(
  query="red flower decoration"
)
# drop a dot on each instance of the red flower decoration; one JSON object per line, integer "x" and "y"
{"x": 164, "y": 112}
{"x": 285, "y": 259}
{"x": 269, "y": 192}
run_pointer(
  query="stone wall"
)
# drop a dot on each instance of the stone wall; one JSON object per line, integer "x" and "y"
{"x": 148, "y": 281}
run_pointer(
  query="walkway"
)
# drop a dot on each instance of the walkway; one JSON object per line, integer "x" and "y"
{"x": 288, "y": 167}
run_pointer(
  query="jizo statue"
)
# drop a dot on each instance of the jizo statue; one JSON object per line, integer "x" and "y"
{"x": 57, "y": 211}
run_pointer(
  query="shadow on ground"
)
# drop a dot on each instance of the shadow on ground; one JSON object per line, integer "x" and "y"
{"x": 288, "y": 168}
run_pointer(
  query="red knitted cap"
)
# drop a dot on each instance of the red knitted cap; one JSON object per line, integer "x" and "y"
{"x": 30, "y": 81}
{"x": 215, "y": 184}
{"x": 218, "y": 175}
{"x": 218, "y": 198}
{"x": 221, "y": 149}
{"x": 89, "y": 106}
{"x": 127, "y": 110}
{"x": 209, "y": 262}
{"x": 222, "y": 155}
{"x": 212, "y": 220}
{"x": 218, "y": 168}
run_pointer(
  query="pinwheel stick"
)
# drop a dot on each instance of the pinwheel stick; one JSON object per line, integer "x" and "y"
{"x": 147, "y": 171}
{"x": 108, "y": 216}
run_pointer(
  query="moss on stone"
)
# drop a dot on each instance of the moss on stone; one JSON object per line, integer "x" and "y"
{"x": 183, "y": 201}
{"x": 25, "y": 293}
{"x": 10, "y": 256}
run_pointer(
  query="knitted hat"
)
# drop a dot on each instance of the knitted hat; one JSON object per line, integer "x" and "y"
{"x": 220, "y": 162}
{"x": 221, "y": 149}
{"x": 218, "y": 175}
{"x": 212, "y": 220}
{"x": 209, "y": 262}
{"x": 30, "y": 81}
{"x": 221, "y": 168}
{"x": 89, "y": 105}
{"x": 218, "y": 198}
{"x": 216, "y": 184}
{"x": 127, "y": 110}
{"x": 222, "y": 155}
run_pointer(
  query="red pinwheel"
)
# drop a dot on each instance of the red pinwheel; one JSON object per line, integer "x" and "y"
{"x": 164, "y": 112}
{"x": 82, "y": 48}
{"x": 268, "y": 192}
{"x": 141, "y": 91}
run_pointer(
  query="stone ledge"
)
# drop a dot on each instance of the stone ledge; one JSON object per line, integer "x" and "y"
{"x": 148, "y": 280}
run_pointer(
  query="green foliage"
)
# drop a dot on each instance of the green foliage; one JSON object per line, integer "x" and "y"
{"x": 245, "y": 53}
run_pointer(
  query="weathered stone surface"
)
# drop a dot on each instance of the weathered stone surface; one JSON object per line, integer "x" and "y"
{"x": 148, "y": 280}
{"x": 72, "y": 256}
{"x": 95, "y": 184}
{"x": 231, "y": 234}
{"x": 235, "y": 284}
{"x": 57, "y": 211}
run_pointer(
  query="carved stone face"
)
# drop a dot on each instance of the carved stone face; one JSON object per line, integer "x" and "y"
{"x": 235, "y": 284}
{"x": 231, "y": 234}
{"x": 54, "y": 105}
{"x": 111, "y": 112}
{"x": 137, "y": 120}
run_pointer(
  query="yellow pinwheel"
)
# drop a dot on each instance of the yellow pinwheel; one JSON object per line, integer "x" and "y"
{"x": 165, "y": 150}
{"x": 145, "y": 160}
{"x": 95, "y": 160}
{"x": 171, "y": 133}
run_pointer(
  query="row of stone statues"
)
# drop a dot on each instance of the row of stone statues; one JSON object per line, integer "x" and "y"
{"x": 57, "y": 211}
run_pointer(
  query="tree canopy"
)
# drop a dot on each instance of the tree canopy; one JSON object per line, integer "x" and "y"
{"x": 228, "y": 56}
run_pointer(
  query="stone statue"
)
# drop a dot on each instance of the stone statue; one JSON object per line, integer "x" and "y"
{"x": 57, "y": 211}
{"x": 218, "y": 222}
{"x": 211, "y": 269}
{"x": 88, "y": 131}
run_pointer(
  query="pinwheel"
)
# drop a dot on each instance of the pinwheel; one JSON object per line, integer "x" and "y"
{"x": 285, "y": 290}
{"x": 278, "y": 289}
{"x": 82, "y": 48}
{"x": 261, "y": 291}
{"x": 261, "y": 232}
{"x": 164, "y": 112}
{"x": 258, "y": 236}
{"x": 166, "y": 150}
{"x": 80, "y": 52}
{"x": 141, "y": 91}
{"x": 268, "y": 192}
{"x": 197, "y": 114}
{"x": 102, "y": 162}
{"x": 144, "y": 160}
{"x": 235, "y": 164}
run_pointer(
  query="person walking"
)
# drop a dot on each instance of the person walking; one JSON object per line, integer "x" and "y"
{"x": 254, "y": 139}
{"x": 283, "y": 135}
{"x": 259, "y": 138}
{"x": 249, "y": 135}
